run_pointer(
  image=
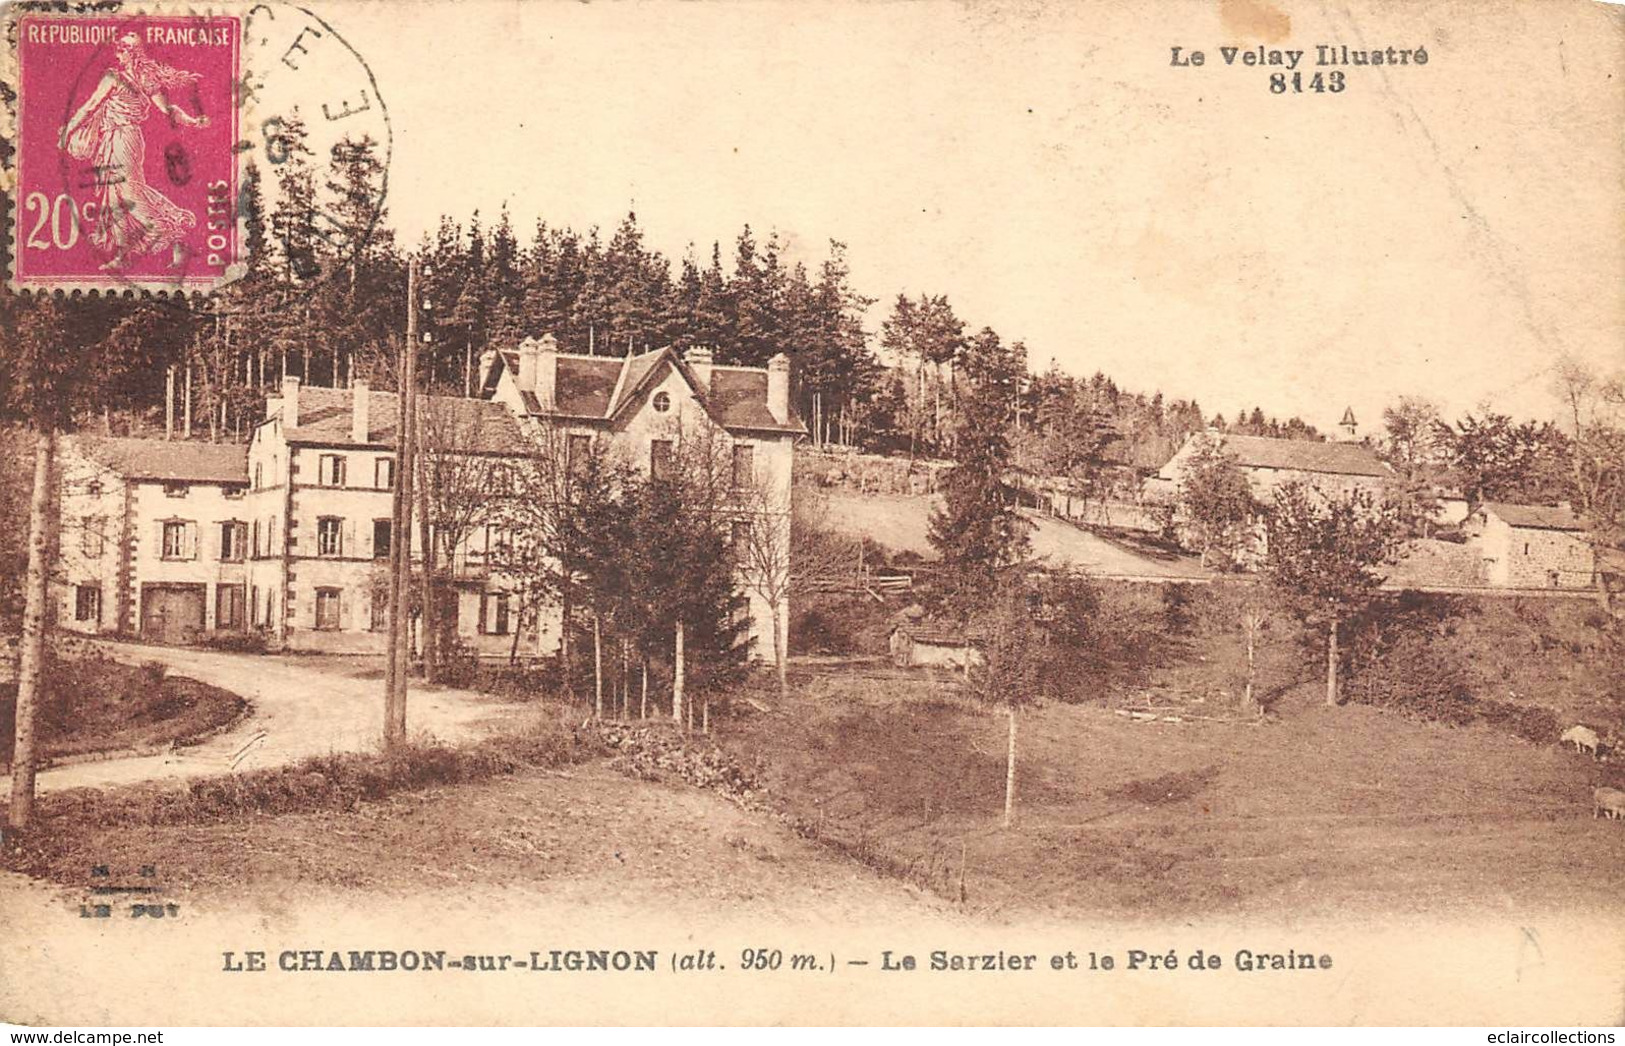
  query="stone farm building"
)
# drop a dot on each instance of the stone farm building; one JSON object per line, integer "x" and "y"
{"x": 1532, "y": 546}
{"x": 1335, "y": 469}
{"x": 290, "y": 535}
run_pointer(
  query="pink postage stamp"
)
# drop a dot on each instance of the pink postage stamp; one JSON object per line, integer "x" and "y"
{"x": 126, "y": 167}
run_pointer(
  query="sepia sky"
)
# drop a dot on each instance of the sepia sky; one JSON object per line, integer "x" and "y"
{"x": 1442, "y": 230}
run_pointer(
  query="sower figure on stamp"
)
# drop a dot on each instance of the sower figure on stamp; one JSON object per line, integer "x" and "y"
{"x": 132, "y": 217}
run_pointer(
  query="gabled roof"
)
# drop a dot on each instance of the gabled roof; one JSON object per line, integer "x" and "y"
{"x": 481, "y": 427}
{"x": 601, "y": 388}
{"x": 939, "y": 633}
{"x": 1535, "y": 517}
{"x": 1345, "y": 459}
{"x": 171, "y": 461}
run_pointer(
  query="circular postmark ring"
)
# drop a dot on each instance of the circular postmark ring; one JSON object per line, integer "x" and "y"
{"x": 289, "y": 50}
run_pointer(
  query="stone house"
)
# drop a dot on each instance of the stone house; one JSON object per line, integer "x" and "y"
{"x": 1333, "y": 469}
{"x": 643, "y": 408}
{"x": 1532, "y": 546}
{"x": 321, "y": 471}
{"x": 153, "y": 537}
{"x": 290, "y": 536}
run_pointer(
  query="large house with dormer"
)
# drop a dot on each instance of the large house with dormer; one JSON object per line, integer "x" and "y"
{"x": 289, "y": 536}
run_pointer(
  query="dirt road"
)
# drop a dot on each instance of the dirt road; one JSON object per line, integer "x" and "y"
{"x": 301, "y": 706}
{"x": 903, "y": 523}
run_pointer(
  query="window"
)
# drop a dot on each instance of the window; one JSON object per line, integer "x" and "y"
{"x": 1526, "y": 548}
{"x": 498, "y": 542}
{"x": 259, "y": 550}
{"x": 380, "y": 538}
{"x": 233, "y": 493}
{"x": 662, "y": 402}
{"x": 228, "y": 606}
{"x": 383, "y": 473}
{"x": 174, "y": 490}
{"x": 94, "y": 488}
{"x": 660, "y": 454}
{"x": 378, "y": 621}
{"x": 87, "y": 603}
{"x": 744, "y": 471}
{"x": 90, "y": 538}
{"x": 178, "y": 540}
{"x": 233, "y": 539}
{"x": 329, "y": 536}
{"x": 494, "y": 614}
{"x": 327, "y": 609}
{"x": 331, "y": 470}
{"x": 740, "y": 535}
{"x": 254, "y": 603}
{"x": 578, "y": 450}
{"x": 259, "y": 475}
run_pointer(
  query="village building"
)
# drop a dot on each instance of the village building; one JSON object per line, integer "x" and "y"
{"x": 290, "y": 536}
{"x": 322, "y": 475}
{"x": 152, "y": 537}
{"x": 1336, "y": 470}
{"x": 1532, "y": 546}
{"x": 642, "y": 408}
{"x": 917, "y": 644}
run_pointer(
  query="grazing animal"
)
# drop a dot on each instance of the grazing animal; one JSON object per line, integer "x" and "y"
{"x": 1583, "y": 738}
{"x": 1607, "y": 802}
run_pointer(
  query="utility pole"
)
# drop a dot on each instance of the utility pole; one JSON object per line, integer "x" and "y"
{"x": 400, "y": 530}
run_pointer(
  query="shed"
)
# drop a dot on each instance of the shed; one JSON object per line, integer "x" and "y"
{"x": 917, "y": 643}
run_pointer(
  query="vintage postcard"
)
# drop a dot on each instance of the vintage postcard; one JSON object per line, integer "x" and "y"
{"x": 945, "y": 513}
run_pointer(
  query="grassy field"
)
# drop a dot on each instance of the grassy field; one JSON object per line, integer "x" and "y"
{"x": 1315, "y": 810}
{"x": 875, "y": 773}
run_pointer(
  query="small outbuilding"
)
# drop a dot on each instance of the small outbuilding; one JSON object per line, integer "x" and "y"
{"x": 918, "y": 643}
{"x": 1532, "y": 546}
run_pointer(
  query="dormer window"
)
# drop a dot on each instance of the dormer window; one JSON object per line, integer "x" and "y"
{"x": 234, "y": 493}
{"x": 94, "y": 488}
{"x": 174, "y": 490}
{"x": 662, "y": 402}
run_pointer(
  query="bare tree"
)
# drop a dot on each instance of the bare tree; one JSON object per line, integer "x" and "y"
{"x": 459, "y": 486}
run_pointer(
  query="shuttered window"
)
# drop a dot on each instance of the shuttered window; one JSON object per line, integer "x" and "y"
{"x": 177, "y": 539}
{"x": 330, "y": 536}
{"x": 327, "y": 609}
{"x": 331, "y": 470}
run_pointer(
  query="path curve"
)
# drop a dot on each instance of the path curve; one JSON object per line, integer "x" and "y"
{"x": 301, "y": 706}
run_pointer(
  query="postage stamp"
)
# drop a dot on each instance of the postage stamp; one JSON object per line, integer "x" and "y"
{"x": 126, "y": 169}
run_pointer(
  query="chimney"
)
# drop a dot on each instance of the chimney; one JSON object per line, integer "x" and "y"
{"x": 488, "y": 359}
{"x": 778, "y": 388}
{"x": 699, "y": 361}
{"x": 290, "y": 402}
{"x": 529, "y": 358}
{"x": 359, "y": 412}
{"x": 547, "y": 372}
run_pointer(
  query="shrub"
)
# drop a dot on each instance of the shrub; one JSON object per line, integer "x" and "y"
{"x": 234, "y": 642}
{"x": 1530, "y": 722}
{"x": 1414, "y": 675}
{"x": 153, "y": 673}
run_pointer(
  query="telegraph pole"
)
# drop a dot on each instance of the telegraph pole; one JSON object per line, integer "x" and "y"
{"x": 400, "y": 529}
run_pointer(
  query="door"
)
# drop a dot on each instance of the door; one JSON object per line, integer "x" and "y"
{"x": 172, "y": 613}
